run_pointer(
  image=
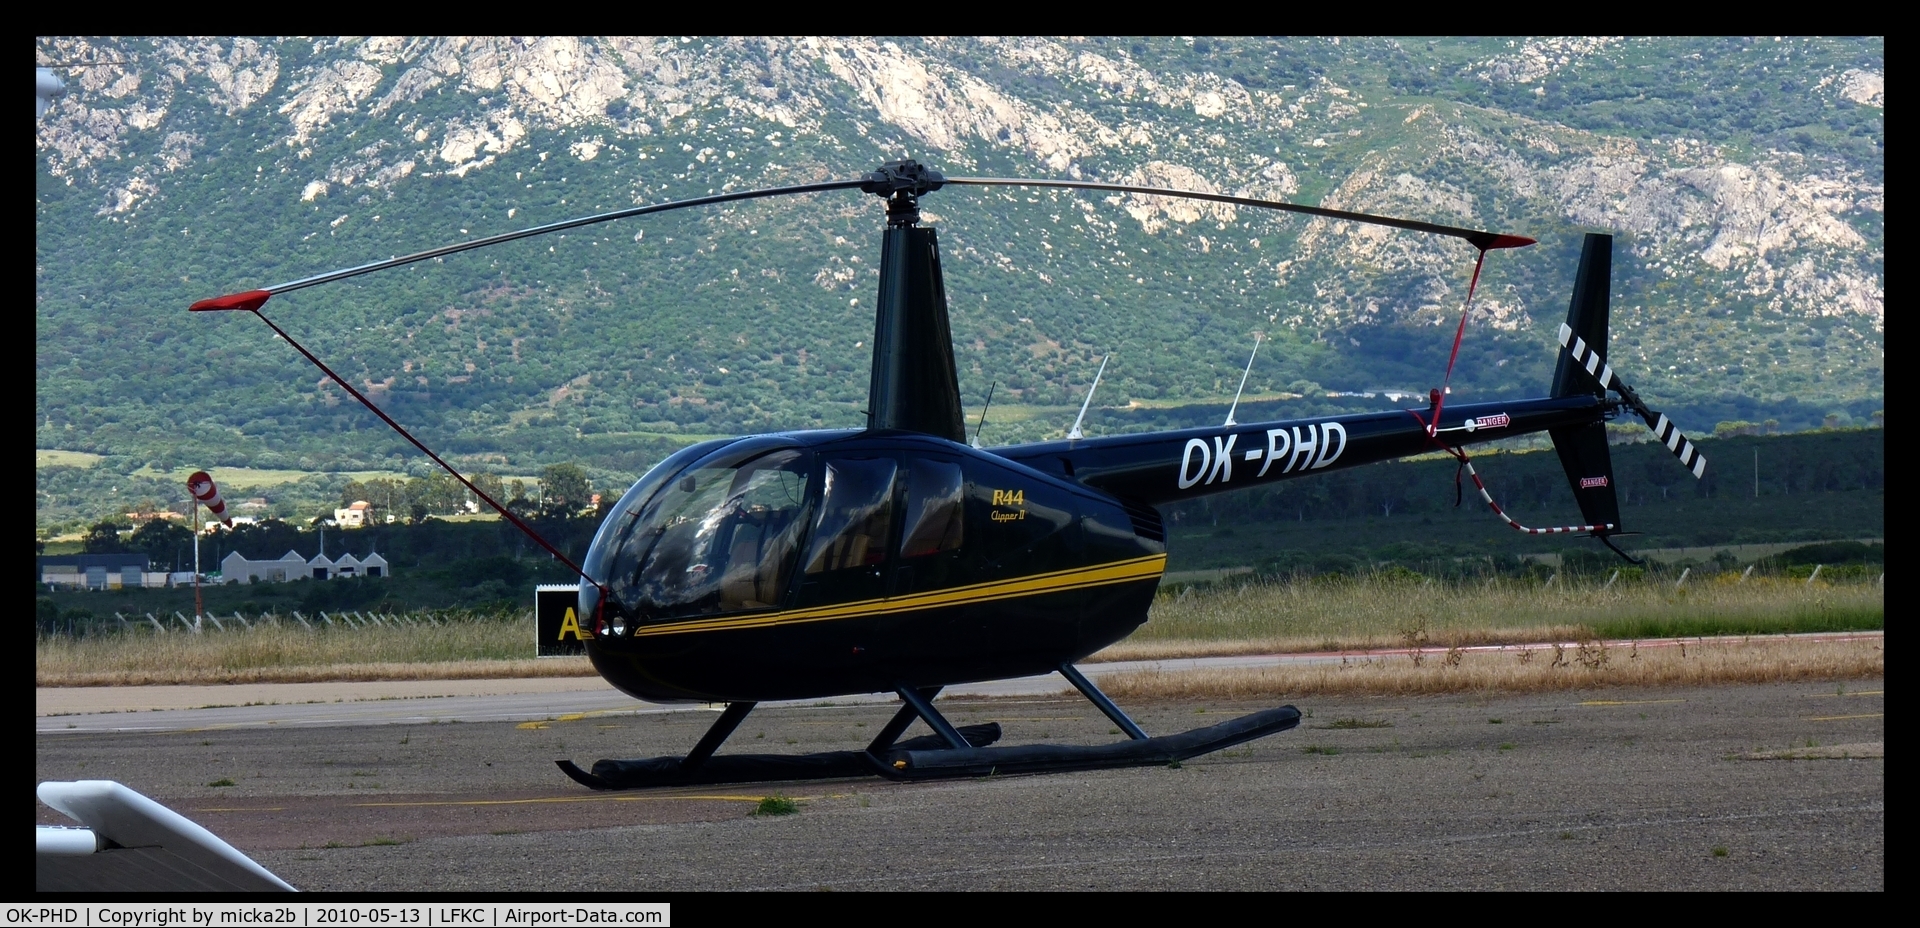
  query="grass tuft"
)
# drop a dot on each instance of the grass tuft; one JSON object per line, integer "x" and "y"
{"x": 776, "y": 805}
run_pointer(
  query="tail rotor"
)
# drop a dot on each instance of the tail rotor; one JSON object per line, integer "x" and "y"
{"x": 1584, "y": 368}
{"x": 1663, "y": 428}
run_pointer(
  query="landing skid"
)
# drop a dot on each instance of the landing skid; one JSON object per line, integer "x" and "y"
{"x": 948, "y": 752}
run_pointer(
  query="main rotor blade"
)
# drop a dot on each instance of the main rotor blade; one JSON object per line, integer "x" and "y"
{"x": 1485, "y": 241}
{"x": 258, "y": 297}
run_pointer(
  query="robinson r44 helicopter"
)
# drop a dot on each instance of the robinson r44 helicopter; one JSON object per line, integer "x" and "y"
{"x": 898, "y": 558}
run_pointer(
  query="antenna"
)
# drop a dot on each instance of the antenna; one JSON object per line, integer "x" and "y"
{"x": 1074, "y": 433}
{"x": 983, "y": 414}
{"x": 1243, "y": 383}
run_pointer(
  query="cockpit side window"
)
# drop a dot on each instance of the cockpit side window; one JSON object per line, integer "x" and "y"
{"x": 933, "y": 527}
{"x": 936, "y": 512}
{"x": 718, "y": 539}
{"x": 765, "y": 537}
{"x": 856, "y": 515}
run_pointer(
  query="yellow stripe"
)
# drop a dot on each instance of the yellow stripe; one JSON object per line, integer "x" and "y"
{"x": 1139, "y": 568}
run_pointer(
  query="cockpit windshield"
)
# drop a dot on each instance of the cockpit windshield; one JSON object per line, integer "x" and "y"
{"x": 718, "y": 538}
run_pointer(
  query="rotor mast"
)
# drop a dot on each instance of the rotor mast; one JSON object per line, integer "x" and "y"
{"x": 914, "y": 385}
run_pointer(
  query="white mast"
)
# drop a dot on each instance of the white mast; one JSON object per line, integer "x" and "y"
{"x": 1243, "y": 382}
{"x": 1074, "y": 433}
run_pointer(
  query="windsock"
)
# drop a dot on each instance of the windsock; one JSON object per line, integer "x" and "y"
{"x": 202, "y": 488}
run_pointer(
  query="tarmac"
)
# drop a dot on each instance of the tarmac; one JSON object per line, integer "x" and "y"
{"x": 1730, "y": 787}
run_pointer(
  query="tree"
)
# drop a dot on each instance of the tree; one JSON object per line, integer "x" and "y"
{"x": 436, "y": 493}
{"x": 385, "y": 495}
{"x": 490, "y": 484}
{"x": 564, "y": 489}
{"x": 104, "y": 538}
{"x": 161, "y": 540}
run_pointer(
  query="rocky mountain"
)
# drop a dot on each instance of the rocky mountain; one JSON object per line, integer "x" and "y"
{"x": 1744, "y": 179}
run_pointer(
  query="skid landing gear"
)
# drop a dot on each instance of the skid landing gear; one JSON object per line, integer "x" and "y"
{"x": 948, "y": 752}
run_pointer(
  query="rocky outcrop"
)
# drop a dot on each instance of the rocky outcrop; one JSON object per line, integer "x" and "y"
{"x": 1782, "y": 229}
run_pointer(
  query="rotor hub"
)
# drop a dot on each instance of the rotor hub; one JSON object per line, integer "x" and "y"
{"x": 902, "y": 183}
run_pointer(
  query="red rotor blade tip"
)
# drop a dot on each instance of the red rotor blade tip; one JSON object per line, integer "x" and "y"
{"x": 1510, "y": 241}
{"x": 250, "y": 300}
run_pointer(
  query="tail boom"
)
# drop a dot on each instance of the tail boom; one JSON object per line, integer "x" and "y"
{"x": 1167, "y": 467}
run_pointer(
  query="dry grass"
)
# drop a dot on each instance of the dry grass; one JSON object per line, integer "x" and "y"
{"x": 285, "y": 652}
{"x": 47, "y": 457}
{"x": 1260, "y": 618}
{"x": 1333, "y": 614}
{"x": 248, "y": 478}
{"x": 1550, "y": 667}
{"x": 325, "y": 673}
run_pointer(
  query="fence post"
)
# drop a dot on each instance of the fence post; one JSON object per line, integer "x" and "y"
{"x": 237, "y": 617}
{"x": 1683, "y": 577}
{"x": 324, "y": 617}
{"x": 297, "y": 617}
{"x": 162, "y": 629}
{"x": 1616, "y": 576}
{"x": 216, "y": 621}
{"x": 1816, "y": 573}
{"x": 1745, "y": 574}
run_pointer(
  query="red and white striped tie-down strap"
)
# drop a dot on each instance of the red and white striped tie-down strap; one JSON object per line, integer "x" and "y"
{"x": 1556, "y": 530}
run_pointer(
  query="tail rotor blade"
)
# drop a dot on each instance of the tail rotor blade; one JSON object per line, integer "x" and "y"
{"x": 1663, "y": 428}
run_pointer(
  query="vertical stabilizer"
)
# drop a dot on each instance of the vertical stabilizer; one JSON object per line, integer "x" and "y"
{"x": 1583, "y": 449}
{"x": 1587, "y": 316}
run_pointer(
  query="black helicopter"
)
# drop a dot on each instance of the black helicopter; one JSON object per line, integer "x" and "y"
{"x": 898, "y": 558}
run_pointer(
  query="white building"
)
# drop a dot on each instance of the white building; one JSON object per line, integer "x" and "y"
{"x": 291, "y": 566}
{"x": 356, "y": 515}
{"x": 288, "y": 566}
